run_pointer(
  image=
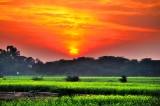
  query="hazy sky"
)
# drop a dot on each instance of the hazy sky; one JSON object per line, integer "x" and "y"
{"x": 56, "y": 29}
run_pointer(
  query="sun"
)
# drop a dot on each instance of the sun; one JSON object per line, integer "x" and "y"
{"x": 73, "y": 51}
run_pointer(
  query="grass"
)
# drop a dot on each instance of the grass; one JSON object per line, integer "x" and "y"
{"x": 143, "y": 86}
{"x": 95, "y": 91}
{"x": 90, "y": 79}
{"x": 88, "y": 100}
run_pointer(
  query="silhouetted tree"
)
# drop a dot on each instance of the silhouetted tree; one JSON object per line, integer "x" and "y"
{"x": 72, "y": 78}
{"x": 11, "y": 61}
{"x": 123, "y": 79}
{"x": 12, "y": 51}
{"x": 2, "y": 54}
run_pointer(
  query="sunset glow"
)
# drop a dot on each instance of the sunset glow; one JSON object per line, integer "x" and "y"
{"x": 73, "y": 51}
{"x": 64, "y": 29}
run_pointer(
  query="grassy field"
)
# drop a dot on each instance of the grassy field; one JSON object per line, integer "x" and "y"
{"x": 87, "y": 100}
{"x": 90, "y": 91}
{"x": 89, "y": 79}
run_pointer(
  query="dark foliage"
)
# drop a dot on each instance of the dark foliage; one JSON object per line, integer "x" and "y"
{"x": 72, "y": 78}
{"x": 123, "y": 79}
{"x": 12, "y": 62}
{"x": 1, "y": 76}
{"x": 4, "y": 78}
{"x": 38, "y": 78}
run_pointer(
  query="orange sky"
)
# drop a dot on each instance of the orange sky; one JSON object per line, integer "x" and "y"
{"x": 56, "y": 29}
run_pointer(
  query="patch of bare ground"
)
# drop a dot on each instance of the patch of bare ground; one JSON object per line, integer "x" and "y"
{"x": 20, "y": 95}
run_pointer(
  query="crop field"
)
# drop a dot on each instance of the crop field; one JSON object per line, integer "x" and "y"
{"x": 89, "y": 91}
{"x": 88, "y": 100}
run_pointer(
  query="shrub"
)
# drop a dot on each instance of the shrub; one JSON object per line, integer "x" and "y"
{"x": 123, "y": 79}
{"x": 38, "y": 78}
{"x": 4, "y": 78}
{"x": 72, "y": 78}
{"x": 1, "y": 76}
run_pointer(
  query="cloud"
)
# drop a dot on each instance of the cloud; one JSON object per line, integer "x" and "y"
{"x": 85, "y": 25}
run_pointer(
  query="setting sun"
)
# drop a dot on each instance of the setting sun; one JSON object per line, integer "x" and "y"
{"x": 73, "y": 51}
{"x": 73, "y": 39}
{"x": 76, "y": 28}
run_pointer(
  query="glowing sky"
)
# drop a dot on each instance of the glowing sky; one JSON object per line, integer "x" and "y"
{"x": 56, "y": 29}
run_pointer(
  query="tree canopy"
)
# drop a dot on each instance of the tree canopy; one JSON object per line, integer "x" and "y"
{"x": 12, "y": 62}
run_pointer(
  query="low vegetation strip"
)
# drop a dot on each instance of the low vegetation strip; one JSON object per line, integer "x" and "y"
{"x": 89, "y": 91}
{"x": 71, "y": 91}
{"x": 87, "y": 100}
{"x": 69, "y": 88}
{"x": 149, "y": 80}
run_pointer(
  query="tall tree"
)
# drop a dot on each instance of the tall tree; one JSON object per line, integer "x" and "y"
{"x": 12, "y": 51}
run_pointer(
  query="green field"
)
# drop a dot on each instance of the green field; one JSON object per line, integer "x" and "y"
{"x": 88, "y": 100}
{"x": 90, "y": 91}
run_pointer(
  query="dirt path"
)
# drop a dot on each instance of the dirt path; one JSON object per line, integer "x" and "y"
{"x": 19, "y": 95}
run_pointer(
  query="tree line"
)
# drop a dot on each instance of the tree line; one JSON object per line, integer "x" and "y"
{"x": 12, "y": 63}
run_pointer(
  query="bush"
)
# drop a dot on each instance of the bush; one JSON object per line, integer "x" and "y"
{"x": 38, "y": 78}
{"x": 123, "y": 79}
{"x": 1, "y": 76}
{"x": 72, "y": 78}
{"x": 4, "y": 78}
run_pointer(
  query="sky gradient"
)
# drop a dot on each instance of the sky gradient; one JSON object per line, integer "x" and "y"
{"x": 65, "y": 29}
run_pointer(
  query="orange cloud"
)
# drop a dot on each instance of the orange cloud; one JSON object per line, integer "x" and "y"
{"x": 76, "y": 27}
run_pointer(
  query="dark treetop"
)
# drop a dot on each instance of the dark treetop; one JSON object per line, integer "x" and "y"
{"x": 12, "y": 63}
